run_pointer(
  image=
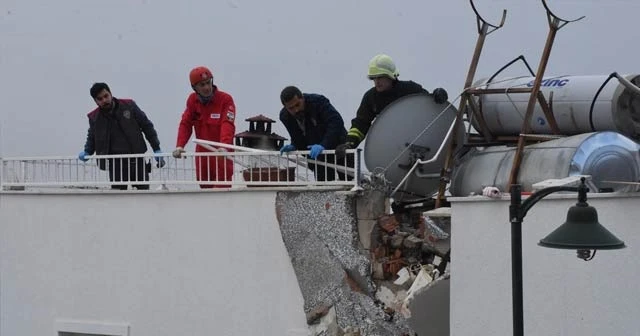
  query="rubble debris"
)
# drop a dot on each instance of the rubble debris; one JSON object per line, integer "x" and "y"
{"x": 360, "y": 267}
{"x": 396, "y": 248}
{"x": 388, "y": 223}
{"x": 411, "y": 253}
{"x": 403, "y": 276}
{"x": 433, "y": 232}
{"x": 331, "y": 267}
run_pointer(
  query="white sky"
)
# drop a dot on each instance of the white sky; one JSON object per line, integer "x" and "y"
{"x": 52, "y": 51}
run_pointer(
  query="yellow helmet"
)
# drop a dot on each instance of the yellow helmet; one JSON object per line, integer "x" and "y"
{"x": 382, "y": 65}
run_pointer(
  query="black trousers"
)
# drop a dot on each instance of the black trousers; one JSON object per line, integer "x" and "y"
{"x": 324, "y": 173}
{"x": 128, "y": 170}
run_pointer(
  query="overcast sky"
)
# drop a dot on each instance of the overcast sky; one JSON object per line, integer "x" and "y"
{"x": 52, "y": 51}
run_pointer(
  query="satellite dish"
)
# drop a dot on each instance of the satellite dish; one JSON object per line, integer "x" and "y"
{"x": 397, "y": 139}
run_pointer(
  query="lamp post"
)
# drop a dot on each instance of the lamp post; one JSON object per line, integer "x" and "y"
{"x": 581, "y": 232}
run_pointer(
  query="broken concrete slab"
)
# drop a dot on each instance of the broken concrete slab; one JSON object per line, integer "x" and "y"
{"x": 366, "y": 232}
{"x": 438, "y": 212}
{"x": 432, "y": 302}
{"x": 371, "y": 204}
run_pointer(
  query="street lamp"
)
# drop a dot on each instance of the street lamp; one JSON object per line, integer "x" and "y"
{"x": 581, "y": 232}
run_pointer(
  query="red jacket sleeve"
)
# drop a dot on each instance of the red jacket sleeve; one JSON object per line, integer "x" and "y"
{"x": 186, "y": 126}
{"x": 228, "y": 127}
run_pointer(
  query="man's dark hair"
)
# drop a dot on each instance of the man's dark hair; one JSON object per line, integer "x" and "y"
{"x": 289, "y": 93}
{"x": 96, "y": 88}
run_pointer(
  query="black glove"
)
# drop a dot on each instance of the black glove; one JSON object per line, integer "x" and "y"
{"x": 341, "y": 150}
{"x": 440, "y": 95}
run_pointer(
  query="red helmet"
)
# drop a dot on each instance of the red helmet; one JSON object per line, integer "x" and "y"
{"x": 198, "y": 74}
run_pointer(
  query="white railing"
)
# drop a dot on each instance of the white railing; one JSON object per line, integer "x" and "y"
{"x": 250, "y": 169}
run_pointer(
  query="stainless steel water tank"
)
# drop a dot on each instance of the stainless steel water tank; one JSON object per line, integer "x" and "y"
{"x": 616, "y": 108}
{"x": 606, "y": 156}
{"x": 411, "y": 128}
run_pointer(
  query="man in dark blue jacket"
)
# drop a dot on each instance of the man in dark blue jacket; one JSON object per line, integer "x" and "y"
{"x": 313, "y": 124}
{"x": 116, "y": 126}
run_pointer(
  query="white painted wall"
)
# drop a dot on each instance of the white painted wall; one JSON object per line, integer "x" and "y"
{"x": 563, "y": 295}
{"x": 162, "y": 264}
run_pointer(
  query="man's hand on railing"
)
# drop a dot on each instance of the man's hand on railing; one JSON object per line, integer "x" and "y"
{"x": 82, "y": 155}
{"x": 177, "y": 153}
{"x": 341, "y": 150}
{"x": 315, "y": 151}
{"x": 160, "y": 162}
{"x": 287, "y": 148}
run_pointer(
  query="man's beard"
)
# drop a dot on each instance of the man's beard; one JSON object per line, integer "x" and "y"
{"x": 107, "y": 107}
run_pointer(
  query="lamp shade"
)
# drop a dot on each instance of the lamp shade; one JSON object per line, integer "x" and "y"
{"x": 582, "y": 231}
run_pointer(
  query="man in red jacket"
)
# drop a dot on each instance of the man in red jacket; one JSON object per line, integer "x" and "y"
{"x": 211, "y": 113}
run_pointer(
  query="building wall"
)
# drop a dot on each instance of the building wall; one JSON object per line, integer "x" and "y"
{"x": 563, "y": 295}
{"x": 148, "y": 263}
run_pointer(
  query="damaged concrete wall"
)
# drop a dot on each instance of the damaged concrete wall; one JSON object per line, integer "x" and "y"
{"x": 320, "y": 233}
{"x": 362, "y": 268}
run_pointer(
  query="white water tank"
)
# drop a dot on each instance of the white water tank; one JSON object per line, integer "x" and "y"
{"x": 616, "y": 108}
{"x": 606, "y": 156}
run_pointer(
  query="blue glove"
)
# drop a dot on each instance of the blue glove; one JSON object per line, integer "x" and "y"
{"x": 287, "y": 148}
{"x": 82, "y": 155}
{"x": 159, "y": 159}
{"x": 315, "y": 151}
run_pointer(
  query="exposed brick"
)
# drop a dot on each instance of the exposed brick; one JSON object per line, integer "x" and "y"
{"x": 388, "y": 223}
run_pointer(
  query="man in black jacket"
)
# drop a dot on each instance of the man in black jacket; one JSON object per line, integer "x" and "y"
{"x": 387, "y": 89}
{"x": 116, "y": 126}
{"x": 314, "y": 124}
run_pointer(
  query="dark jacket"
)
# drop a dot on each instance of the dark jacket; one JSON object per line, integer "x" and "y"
{"x": 373, "y": 102}
{"x": 120, "y": 131}
{"x": 322, "y": 124}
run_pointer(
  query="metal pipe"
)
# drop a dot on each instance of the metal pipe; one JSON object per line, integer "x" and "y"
{"x": 483, "y": 31}
{"x": 627, "y": 83}
{"x": 517, "y": 211}
{"x": 302, "y": 162}
{"x": 516, "y": 260}
{"x": 555, "y": 23}
{"x": 224, "y": 145}
{"x": 430, "y": 175}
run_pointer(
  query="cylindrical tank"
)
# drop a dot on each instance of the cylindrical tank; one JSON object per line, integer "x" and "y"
{"x": 411, "y": 128}
{"x": 606, "y": 156}
{"x": 616, "y": 108}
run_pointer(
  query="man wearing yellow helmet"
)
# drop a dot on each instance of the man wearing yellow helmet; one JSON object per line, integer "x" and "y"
{"x": 386, "y": 89}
